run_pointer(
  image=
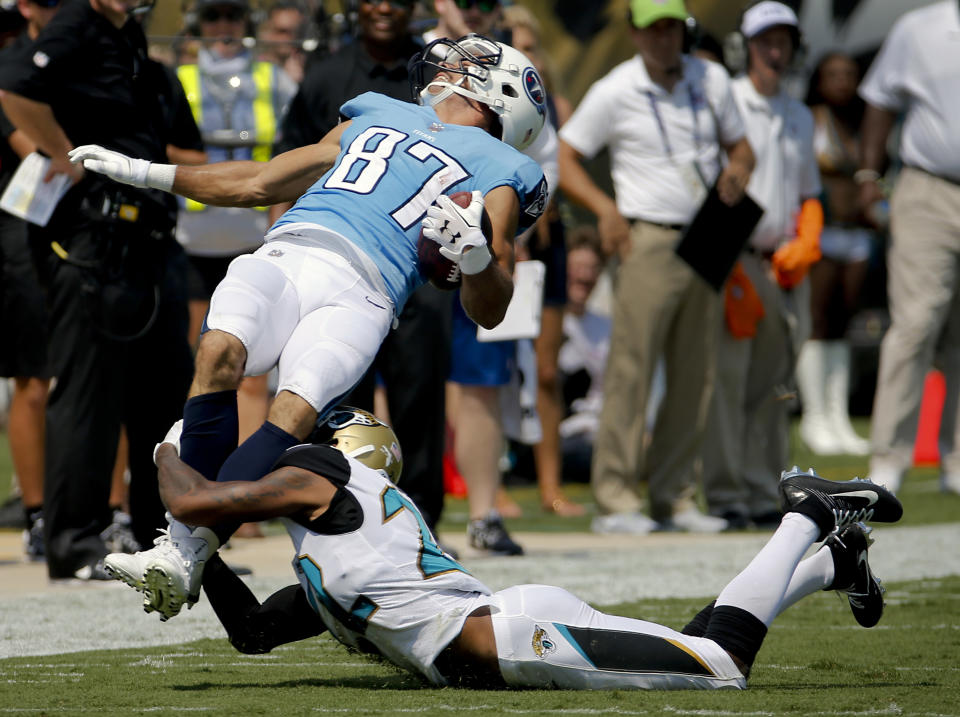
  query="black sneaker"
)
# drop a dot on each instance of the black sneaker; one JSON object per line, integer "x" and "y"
{"x": 490, "y": 535}
{"x": 852, "y": 575}
{"x": 11, "y": 513}
{"x": 33, "y": 548}
{"x": 833, "y": 505}
{"x": 118, "y": 536}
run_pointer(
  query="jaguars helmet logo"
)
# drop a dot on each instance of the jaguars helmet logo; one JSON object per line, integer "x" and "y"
{"x": 542, "y": 644}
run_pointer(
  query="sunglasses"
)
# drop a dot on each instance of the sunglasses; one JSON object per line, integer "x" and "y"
{"x": 231, "y": 14}
{"x": 481, "y": 5}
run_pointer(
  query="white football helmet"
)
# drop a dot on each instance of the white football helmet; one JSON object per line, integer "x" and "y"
{"x": 362, "y": 436}
{"x": 495, "y": 74}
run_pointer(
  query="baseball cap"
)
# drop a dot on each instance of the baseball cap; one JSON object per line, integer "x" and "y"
{"x": 646, "y": 12}
{"x": 764, "y": 15}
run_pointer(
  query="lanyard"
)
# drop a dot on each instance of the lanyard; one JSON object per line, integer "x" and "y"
{"x": 663, "y": 128}
{"x": 666, "y": 138}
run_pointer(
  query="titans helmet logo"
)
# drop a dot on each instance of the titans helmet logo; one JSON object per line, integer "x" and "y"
{"x": 534, "y": 88}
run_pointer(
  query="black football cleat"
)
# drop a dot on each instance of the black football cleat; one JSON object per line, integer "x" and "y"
{"x": 833, "y": 505}
{"x": 489, "y": 535}
{"x": 852, "y": 575}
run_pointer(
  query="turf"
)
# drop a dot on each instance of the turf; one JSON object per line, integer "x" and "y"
{"x": 815, "y": 661}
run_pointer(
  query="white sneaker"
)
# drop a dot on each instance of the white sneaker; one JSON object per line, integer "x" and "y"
{"x": 629, "y": 523}
{"x": 692, "y": 520}
{"x": 818, "y": 435}
{"x": 849, "y": 440}
{"x": 168, "y": 574}
{"x": 950, "y": 483}
{"x": 128, "y": 567}
{"x": 889, "y": 478}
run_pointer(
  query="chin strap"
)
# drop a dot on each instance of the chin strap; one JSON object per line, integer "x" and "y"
{"x": 449, "y": 88}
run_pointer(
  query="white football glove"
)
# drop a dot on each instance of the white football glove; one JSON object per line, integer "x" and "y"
{"x": 121, "y": 168}
{"x": 172, "y": 437}
{"x": 457, "y": 229}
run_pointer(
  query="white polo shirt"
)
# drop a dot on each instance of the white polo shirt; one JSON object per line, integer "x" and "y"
{"x": 918, "y": 71}
{"x": 651, "y": 166}
{"x": 780, "y": 131}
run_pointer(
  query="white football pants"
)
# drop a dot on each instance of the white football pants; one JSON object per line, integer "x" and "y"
{"x": 547, "y": 637}
{"x": 306, "y": 310}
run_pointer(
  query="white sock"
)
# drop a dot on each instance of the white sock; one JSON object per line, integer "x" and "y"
{"x": 813, "y": 574}
{"x": 759, "y": 588}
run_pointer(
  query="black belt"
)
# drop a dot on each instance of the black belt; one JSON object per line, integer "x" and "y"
{"x": 662, "y": 225}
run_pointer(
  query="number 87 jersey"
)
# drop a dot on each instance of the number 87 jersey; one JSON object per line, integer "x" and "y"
{"x": 395, "y": 159}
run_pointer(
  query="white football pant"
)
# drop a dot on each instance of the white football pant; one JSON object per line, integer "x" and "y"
{"x": 307, "y": 310}
{"x": 547, "y": 637}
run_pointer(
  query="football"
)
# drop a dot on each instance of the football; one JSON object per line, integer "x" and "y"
{"x": 434, "y": 266}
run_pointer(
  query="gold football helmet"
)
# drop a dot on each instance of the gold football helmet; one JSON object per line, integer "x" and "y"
{"x": 361, "y": 435}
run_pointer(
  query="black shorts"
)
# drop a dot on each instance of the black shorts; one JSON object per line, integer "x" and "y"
{"x": 23, "y": 313}
{"x": 554, "y": 257}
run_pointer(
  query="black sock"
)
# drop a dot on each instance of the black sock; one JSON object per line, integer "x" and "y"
{"x": 698, "y": 625}
{"x": 210, "y": 429}
{"x": 255, "y": 628}
{"x": 256, "y": 455}
{"x": 32, "y": 515}
{"x": 736, "y": 631}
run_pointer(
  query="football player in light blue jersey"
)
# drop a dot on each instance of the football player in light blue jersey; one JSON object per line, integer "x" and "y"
{"x": 372, "y": 574}
{"x": 425, "y": 158}
{"x": 318, "y": 298}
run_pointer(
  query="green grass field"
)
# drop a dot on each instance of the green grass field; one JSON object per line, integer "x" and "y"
{"x": 815, "y": 660}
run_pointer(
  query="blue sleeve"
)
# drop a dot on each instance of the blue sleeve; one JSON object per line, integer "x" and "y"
{"x": 528, "y": 182}
{"x": 369, "y": 102}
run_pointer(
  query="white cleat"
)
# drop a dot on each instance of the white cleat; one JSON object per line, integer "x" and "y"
{"x": 170, "y": 573}
{"x": 128, "y": 567}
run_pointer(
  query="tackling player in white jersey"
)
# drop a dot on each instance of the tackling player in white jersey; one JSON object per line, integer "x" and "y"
{"x": 320, "y": 296}
{"x": 372, "y": 574}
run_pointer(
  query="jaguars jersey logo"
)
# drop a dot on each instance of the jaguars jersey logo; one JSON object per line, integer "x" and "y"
{"x": 543, "y": 645}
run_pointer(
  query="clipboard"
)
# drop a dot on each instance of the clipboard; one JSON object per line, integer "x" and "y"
{"x": 718, "y": 233}
{"x": 27, "y": 196}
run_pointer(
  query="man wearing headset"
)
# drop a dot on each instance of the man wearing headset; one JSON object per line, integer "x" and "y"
{"x": 767, "y": 300}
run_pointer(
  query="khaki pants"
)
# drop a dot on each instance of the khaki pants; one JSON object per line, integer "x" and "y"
{"x": 747, "y": 436}
{"x": 923, "y": 267}
{"x": 661, "y": 308}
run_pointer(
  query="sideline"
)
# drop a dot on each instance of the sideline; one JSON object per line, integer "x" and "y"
{"x": 38, "y": 618}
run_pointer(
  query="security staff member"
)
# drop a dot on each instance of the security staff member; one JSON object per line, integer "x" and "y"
{"x": 414, "y": 359}
{"x": 238, "y": 103}
{"x": 118, "y": 317}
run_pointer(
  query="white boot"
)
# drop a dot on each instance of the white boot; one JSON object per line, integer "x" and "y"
{"x": 816, "y": 430}
{"x": 838, "y": 397}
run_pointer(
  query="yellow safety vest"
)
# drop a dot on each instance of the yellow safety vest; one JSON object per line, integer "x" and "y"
{"x": 264, "y": 116}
